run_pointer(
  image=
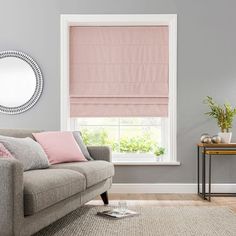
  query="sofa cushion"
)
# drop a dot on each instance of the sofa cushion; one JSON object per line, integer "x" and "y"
{"x": 78, "y": 138}
{"x": 94, "y": 171}
{"x": 43, "y": 188}
{"x": 60, "y": 146}
{"x": 4, "y": 152}
{"x": 27, "y": 151}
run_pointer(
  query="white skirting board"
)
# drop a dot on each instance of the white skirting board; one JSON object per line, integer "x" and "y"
{"x": 169, "y": 188}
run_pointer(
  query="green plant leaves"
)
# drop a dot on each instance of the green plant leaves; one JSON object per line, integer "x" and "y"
{"x": 159, "y": 151}
{"x": 223, "y": 114}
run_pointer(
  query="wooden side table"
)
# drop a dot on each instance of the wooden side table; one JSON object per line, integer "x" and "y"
{"x": 209, "y": 150}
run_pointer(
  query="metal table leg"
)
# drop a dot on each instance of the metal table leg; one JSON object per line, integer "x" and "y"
{"x": 198, "y": 179}
{"x": 209, "y": 178}
{"x": 204, "y": 173}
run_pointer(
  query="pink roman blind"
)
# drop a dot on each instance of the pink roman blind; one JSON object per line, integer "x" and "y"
{"x": 119, "y": 71}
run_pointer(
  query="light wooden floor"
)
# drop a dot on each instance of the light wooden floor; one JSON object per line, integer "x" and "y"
{"x": 170, "y": 200}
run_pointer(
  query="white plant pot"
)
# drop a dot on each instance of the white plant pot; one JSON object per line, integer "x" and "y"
{"x": 225, "y": 137}
{"x": 160, "y": 158}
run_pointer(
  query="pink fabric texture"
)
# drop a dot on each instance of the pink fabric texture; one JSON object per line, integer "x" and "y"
{"x": 119, "y": 71}
{"x": 59, "y": 146}
{"x": 4, "y": 152}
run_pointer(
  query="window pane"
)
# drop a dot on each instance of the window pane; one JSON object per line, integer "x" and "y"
{"x": 140, "y": 121}
{"x": 124, "y": 135}
{"x": 98, "y": 135}
{"x": 97, "y": 121}
{"x": 140, "y": 139}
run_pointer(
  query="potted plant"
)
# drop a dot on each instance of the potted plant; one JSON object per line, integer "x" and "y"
{"x": 159, "y": 151}
{"x": 224, "y": 116}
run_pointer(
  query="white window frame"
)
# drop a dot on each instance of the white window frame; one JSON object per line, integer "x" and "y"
{"x": 170, "y": 20}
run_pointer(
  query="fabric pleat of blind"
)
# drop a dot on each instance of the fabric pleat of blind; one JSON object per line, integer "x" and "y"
{"x": 119, "y": 71}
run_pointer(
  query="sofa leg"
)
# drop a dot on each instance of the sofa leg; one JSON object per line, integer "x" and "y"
{"x": 104, "y": 197}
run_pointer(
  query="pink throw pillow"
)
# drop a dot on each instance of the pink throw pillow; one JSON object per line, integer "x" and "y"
{"x": 59, "y": 146}
{"x": 4, "y": 152}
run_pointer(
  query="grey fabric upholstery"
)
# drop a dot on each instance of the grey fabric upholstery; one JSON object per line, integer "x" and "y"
{"x": 12, "y": 219}
{"x": 95, "y": 190}
{"x": 49, "y": 215}
{"x": 27, "y": 151}
{"x": 100, "y": 152}
{"x": 11, "y": 196}
{"x": 43, "y": 188}
{"x": 19, "y": 133}
{"x": 80, "y": 142}
{"x": 94, "y": 171}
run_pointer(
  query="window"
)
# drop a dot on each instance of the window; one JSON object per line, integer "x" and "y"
{"x": 131, "y": 139}
{"x": 118, "y": 82}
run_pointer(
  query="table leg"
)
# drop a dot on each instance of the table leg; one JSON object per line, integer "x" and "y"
{"x": 198, "y": 179}
{"x": 204, "y": 173}
{"x": 209, "y": 178}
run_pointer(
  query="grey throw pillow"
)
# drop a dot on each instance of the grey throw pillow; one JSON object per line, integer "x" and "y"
{"x": 27, "y": 151}
{"x": 80, "y": 142}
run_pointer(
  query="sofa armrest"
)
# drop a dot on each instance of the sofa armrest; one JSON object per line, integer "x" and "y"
{"x": 100, "y": 152}
{"x": 11, "y": 196}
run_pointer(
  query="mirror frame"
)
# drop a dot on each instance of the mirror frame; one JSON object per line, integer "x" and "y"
{"x": 39, "y": 83}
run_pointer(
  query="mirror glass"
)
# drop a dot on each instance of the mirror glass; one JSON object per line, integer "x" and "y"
{"x": 17, "y": 82}
{"x": 21, "y": 82}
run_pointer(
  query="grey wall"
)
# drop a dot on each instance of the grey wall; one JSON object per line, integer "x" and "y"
{"x": 206, "y": 66}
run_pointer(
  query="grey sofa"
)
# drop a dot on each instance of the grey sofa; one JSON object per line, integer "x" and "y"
{"x": 31, "y": 200}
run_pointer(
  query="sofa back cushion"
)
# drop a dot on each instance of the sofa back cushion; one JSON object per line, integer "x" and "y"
{"x": 60, "y": 146}
{"x": 27, "y": 151}
{"x": 19, "y": 133}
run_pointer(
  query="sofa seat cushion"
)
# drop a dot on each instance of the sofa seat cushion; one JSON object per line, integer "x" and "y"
{"x": 43, "y": 188}
{"x": 94, "y": 171}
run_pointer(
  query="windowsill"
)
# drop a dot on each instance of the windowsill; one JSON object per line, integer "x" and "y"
{"x": 142, "y": 160}
{"x": 145, "y": 163}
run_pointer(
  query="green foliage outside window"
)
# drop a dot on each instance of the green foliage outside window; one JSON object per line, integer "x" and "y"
{"x": 142, "y": 143}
